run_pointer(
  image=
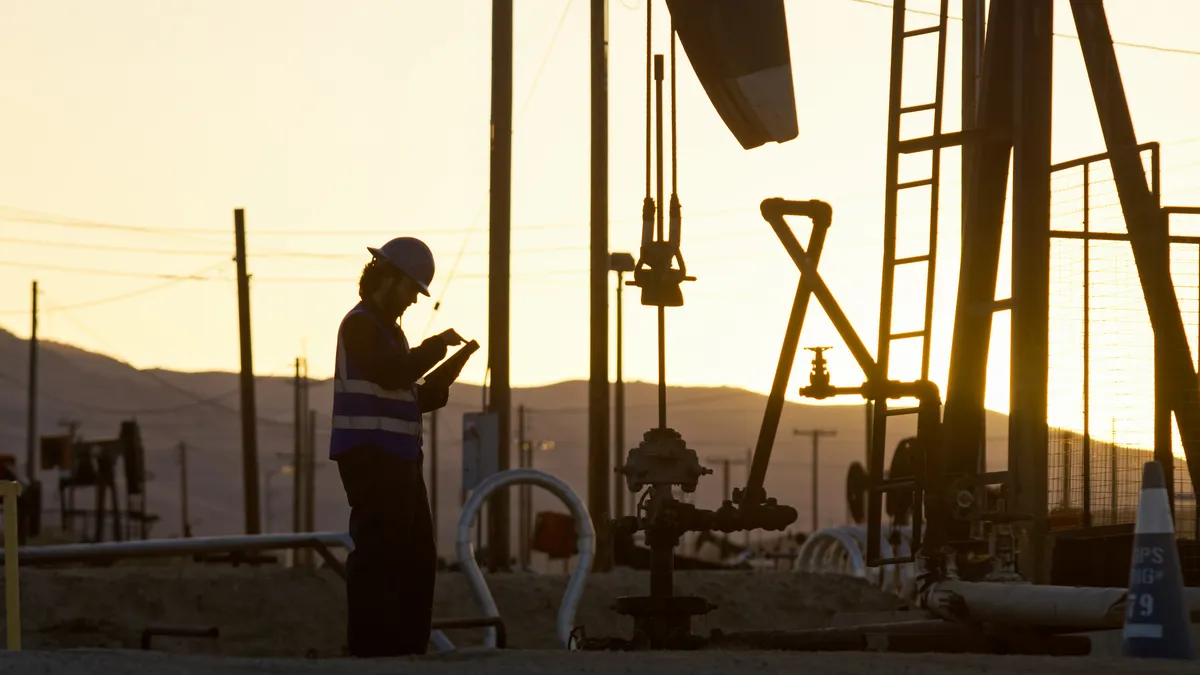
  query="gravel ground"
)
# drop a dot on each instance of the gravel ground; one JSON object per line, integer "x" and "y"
{"x": 592, "y": 663}
{"x": 277, "y": 612}
{"x": 87, "y": 621}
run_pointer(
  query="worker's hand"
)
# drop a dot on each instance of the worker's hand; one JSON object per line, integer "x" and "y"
{"x": 451, "y": 338}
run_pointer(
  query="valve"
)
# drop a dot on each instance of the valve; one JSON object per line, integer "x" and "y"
{"x": 818, "y": 379}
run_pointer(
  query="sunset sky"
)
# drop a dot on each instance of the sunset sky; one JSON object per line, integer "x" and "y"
{"x": 131, "y": 130}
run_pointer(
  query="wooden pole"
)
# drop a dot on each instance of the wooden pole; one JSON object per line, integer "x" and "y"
{"x": 186, "y": 523}
{"x": 31, "y": 420}
{"x": 249, "y": 413}
{"x": 599, "y": 469}
{"x": 297, "y": 453}
{"x": 498, "y": 272}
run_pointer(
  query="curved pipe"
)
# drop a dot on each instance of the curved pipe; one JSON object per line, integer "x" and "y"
{"x": 840, "y": 550}
{"x": 585, "y": 538}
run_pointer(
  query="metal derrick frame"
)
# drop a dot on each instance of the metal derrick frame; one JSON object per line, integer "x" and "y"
{"x": 1013, "y": 122}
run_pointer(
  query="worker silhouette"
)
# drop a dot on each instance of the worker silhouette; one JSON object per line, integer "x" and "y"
{"x": 376, "y": 442}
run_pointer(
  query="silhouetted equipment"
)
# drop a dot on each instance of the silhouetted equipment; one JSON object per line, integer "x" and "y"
{"x": 726, "y": 547}
{"x": 662, "y": 461}
{"x": 856, "y": 492}
{"x": 946, "y": 484}
{"x": 93, "y": 464}
{"x": 29, "y": 502}
{"x": 960, "y": 536}
{"x": 627, "y": 553}
{"x": 899, "y": 503}
{"x": 619, "y": 263}
{"x": 740, "y": 53}
{"x": 56, "y": 452}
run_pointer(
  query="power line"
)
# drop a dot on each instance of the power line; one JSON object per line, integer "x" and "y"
{"x": 197, "y": 400}
{"x": 114, "y": 249}
{"x": 299, "y": 254}
{"x": 1132, "y": 45}
{"x": 17, "y": 382}
{"x": 67, "y": 221}
{"x": 651, "y": 404}
{"x": 118, "y": 297}
{"x": 520, "y": 117}
{"x": 115, "y": 273}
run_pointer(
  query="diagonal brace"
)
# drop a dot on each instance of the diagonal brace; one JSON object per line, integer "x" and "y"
{"x": 773, "y": 213}
{"x": 821, "y": 215}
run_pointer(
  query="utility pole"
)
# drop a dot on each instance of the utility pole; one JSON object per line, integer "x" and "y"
{"x": 249, "y": 412}
{"x": 297, "y": 452}
{"x": 31, "y": 422}
{"x": 186, "y": 523}
{"x": 726, "y": 478}
{"x": 310, "y": 465}
{"x": 816, "y": 435}
{"x": 598, "y": 463}
{"x": 500, "y": 236}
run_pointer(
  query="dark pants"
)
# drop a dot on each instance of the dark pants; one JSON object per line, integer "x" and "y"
{"x": 390, "y": 573}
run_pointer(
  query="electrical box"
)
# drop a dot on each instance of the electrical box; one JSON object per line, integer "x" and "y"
{"x": 554, "y": 535}
{"x": 56, "y": 452}
{"x": 480, "y": 448}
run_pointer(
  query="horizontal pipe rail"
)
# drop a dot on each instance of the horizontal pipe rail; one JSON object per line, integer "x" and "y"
{"x": 165, "y": 548}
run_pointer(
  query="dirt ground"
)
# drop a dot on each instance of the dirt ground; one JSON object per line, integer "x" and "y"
{"x": 573, "y": 663}
{"x": 85, "y": 621}
{"x": 279, "y": 612}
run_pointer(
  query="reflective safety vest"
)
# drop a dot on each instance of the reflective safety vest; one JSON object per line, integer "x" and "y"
{"x": 365, "y": 413}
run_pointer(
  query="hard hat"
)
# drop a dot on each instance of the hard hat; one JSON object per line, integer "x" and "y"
{"x": 411, "y": 256}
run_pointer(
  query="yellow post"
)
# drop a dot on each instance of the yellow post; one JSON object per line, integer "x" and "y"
{"x": 9, "y": 491}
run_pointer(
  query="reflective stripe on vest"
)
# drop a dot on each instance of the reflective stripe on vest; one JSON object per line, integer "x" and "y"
{"x": 366, "y": 414}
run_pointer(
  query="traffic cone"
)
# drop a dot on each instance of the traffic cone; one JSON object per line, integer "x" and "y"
{"x": 1156, "y": 615}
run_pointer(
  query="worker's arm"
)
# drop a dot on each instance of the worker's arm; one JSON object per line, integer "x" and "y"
{"x": 371, "y": 352}
{"x": 430, "y": 398}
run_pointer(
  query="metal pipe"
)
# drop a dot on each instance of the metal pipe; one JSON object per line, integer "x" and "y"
{"x": 1077, "y": 608}
{"x": 842, "y": 550}
{"x": 585, "y": 538}
{"x": 149, "y": 548}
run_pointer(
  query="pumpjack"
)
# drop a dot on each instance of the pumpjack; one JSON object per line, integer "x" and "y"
{"x": 968, "y": 525}
{"x": 94, "y": 463}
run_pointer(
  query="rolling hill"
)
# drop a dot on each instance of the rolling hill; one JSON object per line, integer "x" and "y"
{"x": 201, "y": 410}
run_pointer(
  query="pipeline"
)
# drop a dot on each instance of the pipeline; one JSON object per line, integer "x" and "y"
{"x": 842, "y": 550}
{"x": 151, "y": 548}
{"x": 1029, "y": 605}
{"x": 585, "y": 542}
